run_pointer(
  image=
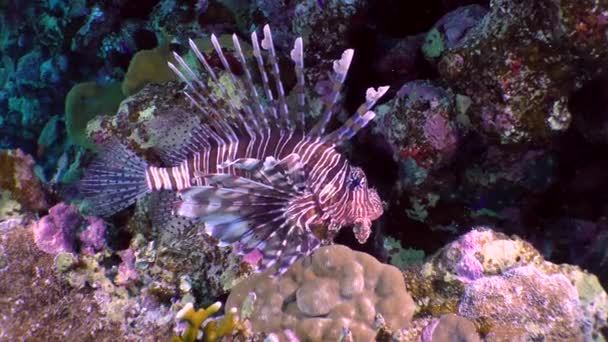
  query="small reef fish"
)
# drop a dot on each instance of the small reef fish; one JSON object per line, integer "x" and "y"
{"x": 257, "y": 178}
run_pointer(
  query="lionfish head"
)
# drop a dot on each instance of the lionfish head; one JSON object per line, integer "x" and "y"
{"x": 363, "y": 204}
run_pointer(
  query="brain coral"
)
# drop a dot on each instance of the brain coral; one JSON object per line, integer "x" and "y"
{"x": 335, "y": 288}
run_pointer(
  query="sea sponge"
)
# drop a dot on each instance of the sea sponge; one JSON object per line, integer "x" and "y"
{"x": 148, "y": 66}
{"x": 84, "y": 102}
{"x": 321, "y": 295}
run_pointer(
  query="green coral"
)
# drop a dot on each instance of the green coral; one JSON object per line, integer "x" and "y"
{"x": 74, "y": 171}
{"x": 64, "y": 261}
{"x": 402, "y": 257}
{"x": 412, "y": 172}
{"x": 419, "y": 211}
{"x": 433, "y": 45}
{"x": 49, "y": 133}
{"x": 84, "y": 102}
{"x": 149, "y": 66}
{"x": 28, "y": 107}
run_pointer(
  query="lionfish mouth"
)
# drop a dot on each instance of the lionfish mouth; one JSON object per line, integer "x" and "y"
{"x": 362, "y": 229}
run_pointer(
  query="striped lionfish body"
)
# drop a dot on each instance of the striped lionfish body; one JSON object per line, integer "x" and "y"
{"x": 257, "y": 177}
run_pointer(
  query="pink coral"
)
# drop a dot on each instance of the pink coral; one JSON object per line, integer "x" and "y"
{"x": 126, "y": 270}
{"x": 92, "y": 237}
{"x": 54, "y": 233}
{"x": 439, "y": 132}
{"x": 253, "y": 257}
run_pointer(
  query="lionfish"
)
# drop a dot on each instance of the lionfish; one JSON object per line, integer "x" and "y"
{"x": 257, "y": 178}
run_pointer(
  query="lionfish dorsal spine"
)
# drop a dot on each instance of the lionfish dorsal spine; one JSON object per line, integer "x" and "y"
{"x": 357, "y": 121}
{"x": 200, "y": 91}
{"x": 245, "y": 104}
{"x": 257, "y": 53}
{"x": 202, "y": 94}
{"x": 221, "y": 122}
{"x": 258, "y": 108}
{"x": 268, "y": 45}
{"x": 254, "y": 115}
{"x": 297, "y": 56}
{"x": 340, "y": 67}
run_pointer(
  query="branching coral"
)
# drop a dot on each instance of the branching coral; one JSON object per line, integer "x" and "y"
{"x": 213, "y": 329}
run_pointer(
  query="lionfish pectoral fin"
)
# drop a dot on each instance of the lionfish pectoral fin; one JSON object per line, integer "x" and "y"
{"x": 246, "y": 164}
{"x": 282, "y": 248}
{"x": 252, "y": 213}
{"x": 287, "y": 174}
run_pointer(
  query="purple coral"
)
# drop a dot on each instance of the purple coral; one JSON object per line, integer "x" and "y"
{"x": 54, "y": 233}
{"x": 456, "y": 24}
{"x": 253, "y": 257}
{"x": 92, "y": 237}
{"x": 126, "y": 270}
{"x": 439, "y": 132}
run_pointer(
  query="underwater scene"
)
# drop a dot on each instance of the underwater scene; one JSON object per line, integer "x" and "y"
{"x": 304, "y": 170}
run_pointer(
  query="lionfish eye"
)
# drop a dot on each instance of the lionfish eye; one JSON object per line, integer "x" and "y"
{"x": 356, "y": 180}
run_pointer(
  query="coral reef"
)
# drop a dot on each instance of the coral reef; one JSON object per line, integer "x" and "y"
{"x": 496, "y": 118}
{"x": 508, "y": 290}
{"x": 514, "y": 67}
{"x": 450, "y": 327}
{"x": 212, "y": 330}
{"x": 39, "y": 304}
{"x": 421, "y": 126}
{"x": 93, "y": 236}
{"x": 148, "y": 66}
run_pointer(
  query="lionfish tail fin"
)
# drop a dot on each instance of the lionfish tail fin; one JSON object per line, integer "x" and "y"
{"x": 114, "y": 180}
{"x": 359, "y": 120}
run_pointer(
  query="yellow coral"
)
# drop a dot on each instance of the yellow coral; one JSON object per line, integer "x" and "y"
{"x": 213, "y": 330}
{"x": 224, "y": 327}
